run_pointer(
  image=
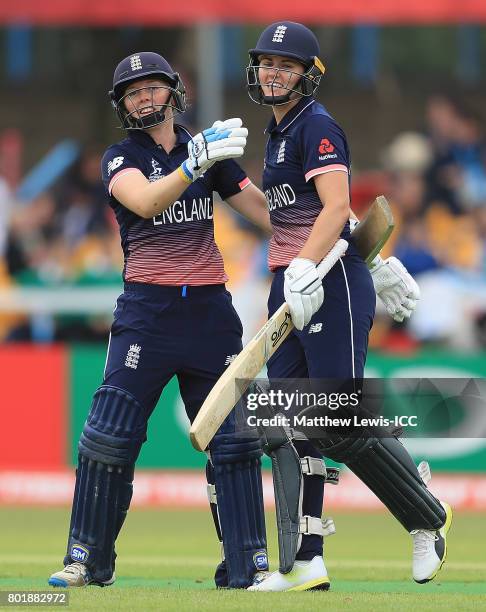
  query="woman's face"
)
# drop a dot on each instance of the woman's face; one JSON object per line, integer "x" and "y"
{"x": 278, "y": 74}
{"x": 146, "y": 96}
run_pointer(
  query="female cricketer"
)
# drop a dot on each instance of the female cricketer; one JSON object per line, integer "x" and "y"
{"x": 306, "y": 181}
{"x": 174, "y": 318}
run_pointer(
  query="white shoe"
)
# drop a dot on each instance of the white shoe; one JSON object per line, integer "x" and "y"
{"x": 304, "y": 576}
{"x": 430, "y": 549}
{"x": 75, "y": 575}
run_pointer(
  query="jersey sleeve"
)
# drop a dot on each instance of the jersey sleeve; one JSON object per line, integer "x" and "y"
{"x": 115, "y": 163}
{"x": 323, "y": 147}
{"x": 229, "y": 178}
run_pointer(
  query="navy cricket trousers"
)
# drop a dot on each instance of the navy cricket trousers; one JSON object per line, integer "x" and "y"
{"x": 162, "y": 331}
{"x": 335, "y": 342}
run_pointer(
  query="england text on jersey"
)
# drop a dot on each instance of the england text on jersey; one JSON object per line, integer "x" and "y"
{"x": 176, "y": 247}
{"x": 307, "y": 142}
{"x": 279, "y": 195}
{"x": 183, "y": 211}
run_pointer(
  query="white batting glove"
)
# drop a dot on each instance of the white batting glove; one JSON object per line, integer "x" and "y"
{"x": 223, "y": 140}
{"x": 303, "y": 291}
{"x": 395, "y": 287}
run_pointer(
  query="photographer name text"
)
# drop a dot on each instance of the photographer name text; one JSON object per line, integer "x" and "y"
{"x": 280, "y": 420}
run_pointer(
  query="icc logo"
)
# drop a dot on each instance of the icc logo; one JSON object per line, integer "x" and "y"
{"x": 326, "y": 146}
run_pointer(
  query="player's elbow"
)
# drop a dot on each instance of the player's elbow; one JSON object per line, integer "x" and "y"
{"x": 145, "y": 207}
{"x": 139, "y": 205}
{"x": 341, "y": 210}
{"x": 146, "y": 211}
{"x": 151, "y": 207}
{"x": 151, "y": 204}
{"x": 139, "y": 209}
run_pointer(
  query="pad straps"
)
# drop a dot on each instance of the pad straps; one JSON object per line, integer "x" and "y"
{"x": 312, "y": 525}
{"x": 313, "y": 466}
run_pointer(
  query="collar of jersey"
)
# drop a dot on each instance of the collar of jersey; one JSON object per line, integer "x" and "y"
{"x": 290, "y": 117}
{"x": 144, "y": 138}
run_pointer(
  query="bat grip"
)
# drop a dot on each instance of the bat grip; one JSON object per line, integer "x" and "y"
{"x": 332, "y": 257}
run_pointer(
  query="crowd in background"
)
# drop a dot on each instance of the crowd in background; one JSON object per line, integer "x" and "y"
{"x": 435, "y": 179}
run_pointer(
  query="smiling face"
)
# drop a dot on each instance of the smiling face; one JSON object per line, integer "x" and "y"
{"x": 277, "y": 75}
{"x": 146, "y": 96}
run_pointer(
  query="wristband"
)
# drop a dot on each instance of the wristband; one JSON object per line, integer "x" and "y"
{"x": 184, "y": 172}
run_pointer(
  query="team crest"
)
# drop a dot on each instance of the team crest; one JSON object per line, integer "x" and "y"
{"x": 135, "y": 62}
{"x": 133, "y": 356}
{"x": 279, "y": 33}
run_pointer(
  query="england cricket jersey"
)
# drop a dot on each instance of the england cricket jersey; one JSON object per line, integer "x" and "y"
{"x": 307, "y": 142}
{"x": 177, "y": 246}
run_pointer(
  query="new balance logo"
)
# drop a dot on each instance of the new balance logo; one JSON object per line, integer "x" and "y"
{"x": 114, "y": 163}
{"x": 279, "y": 33}
{"x": 135, "y": 62}
{"x": 230, "y": 359}
{"x": 133, "y": 356}
{"x": 281, "y": 153}
{"x": 315, "y": 328}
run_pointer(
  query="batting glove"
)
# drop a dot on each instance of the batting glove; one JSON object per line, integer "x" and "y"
{"x": 223, "y": 140}
{"x": 395, "y": 287}
{"x": 303, "y": 291}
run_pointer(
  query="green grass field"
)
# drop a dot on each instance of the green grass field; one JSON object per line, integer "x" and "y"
{"x": 166, "y": 560}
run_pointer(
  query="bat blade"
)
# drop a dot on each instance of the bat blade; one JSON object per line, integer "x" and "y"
{"x": 247, "y": 365}
{"x": 374, "y": 230}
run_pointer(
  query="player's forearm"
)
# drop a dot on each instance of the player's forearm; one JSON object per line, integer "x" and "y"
{"x": 159, "y": 195}
{"x": 251, "y": 203}
{"x": 327, "y": 229}
{"x": 258, "y": 216}
{"x": 150, "y": 199}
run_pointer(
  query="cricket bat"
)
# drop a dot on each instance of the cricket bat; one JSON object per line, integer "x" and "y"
{"x": 374, "y": 231}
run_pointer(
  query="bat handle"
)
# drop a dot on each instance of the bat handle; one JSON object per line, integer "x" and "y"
{"x": 332, "y": 257}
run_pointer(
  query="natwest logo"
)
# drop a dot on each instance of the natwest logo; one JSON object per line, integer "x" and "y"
{"x": 326, "y": 146}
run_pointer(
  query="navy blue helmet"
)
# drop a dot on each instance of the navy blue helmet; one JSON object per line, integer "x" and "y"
{"x": 145, "y": 65}
{"x": 292, "y": 40}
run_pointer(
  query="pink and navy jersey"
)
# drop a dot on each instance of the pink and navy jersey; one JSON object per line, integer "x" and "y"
{"x": 307, "y": 142}
{"x": 176, "y": 247}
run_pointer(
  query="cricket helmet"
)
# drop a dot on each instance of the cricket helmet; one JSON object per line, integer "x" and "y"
{"x": 143, "y": 65}
{"x": 292, "y": 40}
